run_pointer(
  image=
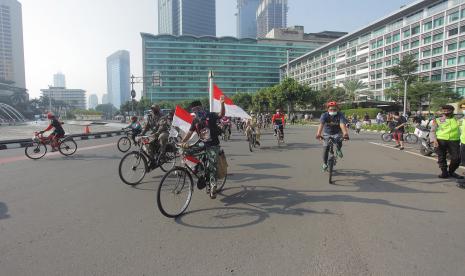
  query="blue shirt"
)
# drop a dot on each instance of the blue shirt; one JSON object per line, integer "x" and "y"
{"x": 332, "y": 123}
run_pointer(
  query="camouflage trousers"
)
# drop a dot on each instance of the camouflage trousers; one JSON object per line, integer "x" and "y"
{"x": 211, "y": 153}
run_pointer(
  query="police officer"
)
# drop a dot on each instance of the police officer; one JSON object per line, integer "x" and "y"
{"x": 445, "y": 135}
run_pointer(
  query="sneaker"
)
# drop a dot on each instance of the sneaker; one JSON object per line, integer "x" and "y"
{"x": 213, "y": 192}
{"x": 455, "y": 175}
{"x": 444, "y": 175}
{"x": 274, "y": 134}
{"x": 339, "y": 153}
{"x": 401, "y": 148}
{"x": 397, "y": 146}
{"x": 324, "y": 167}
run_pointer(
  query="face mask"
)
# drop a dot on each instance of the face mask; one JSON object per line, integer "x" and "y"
{"x": 463, "y": 112}
{"x": 333, "y": 113}
{"x": 278, "y": 113}
{"x": 447, "y": 114}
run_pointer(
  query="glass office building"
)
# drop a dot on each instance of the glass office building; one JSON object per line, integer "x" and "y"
{"x": 433, "y": 31}
{"x": 118, "y": 74}
{"x": 271, "y": 14}
{"x": 240, "y": 65}
{"x": 247, "y": 18}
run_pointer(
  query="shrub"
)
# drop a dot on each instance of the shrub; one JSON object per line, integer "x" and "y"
{"x": 360, "y": 112}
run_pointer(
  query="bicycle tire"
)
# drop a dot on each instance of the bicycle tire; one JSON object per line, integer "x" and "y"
{"x": 170, "y": 156}
{"x": 411, "y": 138}
{"x": 386, "y": 137}
{"x": 34, "y": 147}
{"x": 220, "y": 183}
{"x": 144, "y": 168}
{"x": 330, "y": 169}
{"x": 178, "y": 173}
{"x": 67, "y": 147}
{"x": 124, "y": 142}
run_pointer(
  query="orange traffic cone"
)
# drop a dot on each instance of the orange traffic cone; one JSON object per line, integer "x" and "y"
{"x": 87, "y": 130}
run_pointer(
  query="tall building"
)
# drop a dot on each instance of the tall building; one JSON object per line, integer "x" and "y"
{"x": 187, "y": 17}
{"x": 271, "y": 14}
{"x": 93, "y": 101}
{"x": 12, "y": 75}
{"x": 240, "y": 65}
{"x": 59, "y": 80}
{"x": 432, "y": 30}
{"x": 246, "y": 17}
{"x": 75, "y": 98}
{"x": 118, "y": 74}
{"x": 105, "y": 99}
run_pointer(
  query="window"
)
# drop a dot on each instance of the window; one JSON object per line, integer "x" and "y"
{"x": 415, "y": 44}
{"x": 406, "y": 33}
{"x": 451, "y": 61}
{"x": 396, "y": 49}
{"x": 462, "y": 13}
{"x": 427, "y": 40}
{"x": 379, "y": 65}
{"x": 396, "y": 61}
{"x": 416, "y": 30}
{"x": 461, "y": 91}
{"x": 373, "y": 45}
{"x": 462, "y": 29}
{"x": 388, "y": 39}
{"x": 388, "y": 62}
{"x": 450, "y": 76}
{"x": 379, "y": 54}
{"x": 427, "y": 26}
{"x": 437, "y": 37}
{"x": 406, "y": 46}
{"x": 454, "y": 16}
{"x": 427, "y": 53}
{"x": 438, "y": 22}
{"x": 461, "y": 59}
{"x": 453, "y": 32}
{"x": 462, "y": 44}
{"x": 452, "y": 47}
{"x": 373, "y": 56}
{"x": 388, "y": 51}
{"x": 435, "y": 77}
{"x": 426, "y": 67}
{"x": 461, "y": 74}
{"x": 395, "y": 37}
{"x": 436, "y": 64}
{"x": 437, "y": 51}
{"x": 380, "y": 43}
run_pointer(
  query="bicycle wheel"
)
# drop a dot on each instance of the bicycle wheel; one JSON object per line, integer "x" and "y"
{"x": 250, "y": 143}
{"x": 175, "y": 192}
{"x": 124, "y": 144}
{"x": 35, "y": 151}
{"x": 386, "y": 137}
{"x": 132, "y": 168}
{"x": 330, "y": 168}
{"x": 170, "y": 162}
{"x": 411, "y": 138}
{"x": 67, "y": 147}
{"x": 220, "y": 183}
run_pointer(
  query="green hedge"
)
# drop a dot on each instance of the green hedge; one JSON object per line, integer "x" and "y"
{"x": 372, "y": 112}
{"x": 384, "y": 127}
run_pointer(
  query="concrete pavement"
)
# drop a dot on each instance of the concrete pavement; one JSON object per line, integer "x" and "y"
{"x": 387, "y": 214}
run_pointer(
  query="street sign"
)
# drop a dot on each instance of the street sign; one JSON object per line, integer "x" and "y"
{"x": 133, "y": 93}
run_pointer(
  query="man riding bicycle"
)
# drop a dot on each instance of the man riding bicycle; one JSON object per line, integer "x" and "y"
{"x": 206, "y": 127}
{"x": 57, "y": 133}
{"x": 251, "y": 127}
{"x": 135, "y": 127}
{"x": 278, "y": 120}
{"x": 332, "y": 125}
{"x": 225, "y": 122}
{"x": 159, "y": 125}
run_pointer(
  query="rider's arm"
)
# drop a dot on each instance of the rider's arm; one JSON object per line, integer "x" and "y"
{"x": 273, "y": 118}
{"x": 48, "y": 128}
{"x": 343, "y": 125}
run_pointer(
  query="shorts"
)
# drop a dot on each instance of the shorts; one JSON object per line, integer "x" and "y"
{"x": 398, "y": 135}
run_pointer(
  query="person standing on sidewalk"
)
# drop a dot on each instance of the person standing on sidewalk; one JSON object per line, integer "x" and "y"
{"x": 399, "y": 129}
{"x": 462, "y": 144}
{"x": 445, "y": 135}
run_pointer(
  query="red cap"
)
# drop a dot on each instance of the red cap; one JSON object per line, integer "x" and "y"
{"x": 331, "y": 104}
{"x": 50, "y": 115}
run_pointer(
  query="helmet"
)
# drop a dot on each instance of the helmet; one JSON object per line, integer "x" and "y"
{"x": 134, "y": 118}
{"x": 331, "y": 104}
{"x": 50, "y": 115}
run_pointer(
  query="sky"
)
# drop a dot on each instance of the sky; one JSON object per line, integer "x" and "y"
{"x": 75, "y": 36}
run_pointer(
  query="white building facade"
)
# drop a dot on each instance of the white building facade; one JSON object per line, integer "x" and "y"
{"x": 93, "y": 101}
{"x": 432, "y": 30}
{"x": 75, "y": 98}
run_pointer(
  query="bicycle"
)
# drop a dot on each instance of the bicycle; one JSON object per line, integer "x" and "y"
{"x": 409, "y": 138}
{"x": 177, "y": 185}
{"x": 226, "y": 135}
{"x": 280, "y": 137}
{"x": 252, "y": 139}
{"x": 38, "y": 148}
{"x": 138, "y": 163}
{"x": 125, "y": 143}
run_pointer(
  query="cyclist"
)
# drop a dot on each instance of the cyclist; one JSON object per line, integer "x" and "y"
{"x": 159, "y": 125}
{"x": 57, "y": 133}
{"x": 206, "y": 127}
{"x": 278, "y": 120}
{"x": 135, "y": 127}
{"x": 250, "y": 127}
{"x": 225, "y": 122}
{"x": 332, "y": 125}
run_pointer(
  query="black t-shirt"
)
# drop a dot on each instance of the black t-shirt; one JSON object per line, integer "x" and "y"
{"x": 207, "y": 124}
{"x": 58, "y": 128}
{"x": 332, "y": 123}
{"x": 399, "y": 122}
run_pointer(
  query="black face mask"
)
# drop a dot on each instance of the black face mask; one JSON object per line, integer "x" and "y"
{"x": 448, "y": 114}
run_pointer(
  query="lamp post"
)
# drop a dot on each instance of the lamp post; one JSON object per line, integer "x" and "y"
{"x": 405, "y": 95}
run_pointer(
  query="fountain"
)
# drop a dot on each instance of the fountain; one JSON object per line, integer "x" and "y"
{"x": 9, "y": 114}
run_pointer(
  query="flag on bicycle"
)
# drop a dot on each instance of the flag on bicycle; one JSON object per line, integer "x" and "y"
{"x": 232, "y": 110}
{"x": 182, "y": 119}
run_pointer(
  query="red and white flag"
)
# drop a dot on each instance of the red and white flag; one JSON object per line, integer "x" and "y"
{"x": 182, "y": 119}
{"x": 232, "y": 110}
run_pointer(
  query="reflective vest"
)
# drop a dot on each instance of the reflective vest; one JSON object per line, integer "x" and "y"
{"x": 462, "y": 134}
{"x": 448, "y": 129}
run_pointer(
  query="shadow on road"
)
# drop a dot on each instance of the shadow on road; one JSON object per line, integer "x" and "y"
{"x": 3, "y": 211}
{"x": 254, "y": 176}
{"x": 265, "y": 166}
{"x": 80, "y": 157}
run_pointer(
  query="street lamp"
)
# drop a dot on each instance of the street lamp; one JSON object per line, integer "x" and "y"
{"x": 155, "y": 79}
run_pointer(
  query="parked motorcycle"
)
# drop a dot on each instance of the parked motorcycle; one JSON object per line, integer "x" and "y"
{"x": 426, "y": 146}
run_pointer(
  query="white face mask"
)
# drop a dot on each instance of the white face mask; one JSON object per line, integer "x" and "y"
{"x": 333, "y": 113}
{"x": 463, "y": 112}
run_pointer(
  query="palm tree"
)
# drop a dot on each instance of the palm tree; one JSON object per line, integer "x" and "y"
{"x": 404, "y": 71}
{"x": 351, "y": 88}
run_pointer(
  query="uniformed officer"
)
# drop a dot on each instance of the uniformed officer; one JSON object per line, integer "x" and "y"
{"x": 445, "y": 135}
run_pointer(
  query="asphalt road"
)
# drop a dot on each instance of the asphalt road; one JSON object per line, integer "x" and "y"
{"x": 386, "y": 214}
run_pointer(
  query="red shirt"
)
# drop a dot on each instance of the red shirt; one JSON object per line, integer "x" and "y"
{"x": 278, "y": 119}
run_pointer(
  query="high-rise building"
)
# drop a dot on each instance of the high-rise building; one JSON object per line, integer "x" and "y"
{"x": 187, "y": 17}
{"x": 105, "y": 99}
{"x": 93, "y": 101}
{"x": 118, "y": 74}
{"x": 12, "y": 75}
{"x": 431, "y": 30}
{"x": 271, "y": 14}
{"x": 247, "y": 18}
{"x": 59, "y": 80}
{"x": 240, "y": 65}
{"x": 75, "y": 98}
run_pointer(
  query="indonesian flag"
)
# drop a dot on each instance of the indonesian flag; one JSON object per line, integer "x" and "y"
{"x": 182, "y": 119}
{"x": 232, "y": 110}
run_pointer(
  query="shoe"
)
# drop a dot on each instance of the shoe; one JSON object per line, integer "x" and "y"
{"x": 461, "y": 185}
{"x": 213, "y": 192}
{"x": 444, "y": 175}
{"x": 339, "y": 153}
{"x": 401, "y": 148}
{"x": 397, "y": 146}
{"x": 455, "y": 175}
{"x": 324, "y": 167}
{"x": 274, "y": 134}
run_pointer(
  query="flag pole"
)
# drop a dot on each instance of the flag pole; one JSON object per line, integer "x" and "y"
{"x": 210, "y": 89}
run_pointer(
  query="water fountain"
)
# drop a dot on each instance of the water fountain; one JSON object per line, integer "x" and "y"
{"x": 9, "y": 114}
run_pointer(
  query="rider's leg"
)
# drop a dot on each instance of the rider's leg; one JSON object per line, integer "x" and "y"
{"x": 281, "y": 129}
{"x": 163, "y": 140}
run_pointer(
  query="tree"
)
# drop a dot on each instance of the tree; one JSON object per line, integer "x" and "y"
{"x": 404, "y": 72}
{"x": 351, "y": 88}
{"x": 108, "y": 110}
{"x": 244, "y": 100}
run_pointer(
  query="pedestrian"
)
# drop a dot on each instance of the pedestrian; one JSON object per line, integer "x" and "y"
{"x": 445, "y": 135}
{"x": 399, "y": 130}
{"x": 366, "y": 119}
{"x": 311, "y": 117}
{"x": 306, "y": 117}
{"x": 462, "y": 144}
{"x": 379, "y": 118}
